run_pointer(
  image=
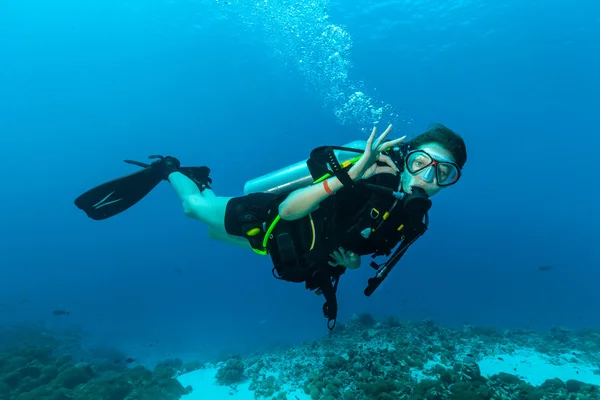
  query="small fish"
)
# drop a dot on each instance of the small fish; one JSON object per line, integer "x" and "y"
{"x": 470, "y": 355}
{"x": 179, "y": 271}
{"x": 129, "y": 360}
{"x": 500, "y": 358}
{"x": 545, "y": 268}
{"x": 59, "y": 313}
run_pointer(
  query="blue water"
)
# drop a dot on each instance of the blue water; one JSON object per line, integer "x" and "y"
{"x": 246, "y": 89}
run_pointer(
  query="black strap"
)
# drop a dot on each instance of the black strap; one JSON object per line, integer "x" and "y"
{"x": 323, "y": 156}
{"x": 330, "y": 307}
{"x": 327, "y": 280}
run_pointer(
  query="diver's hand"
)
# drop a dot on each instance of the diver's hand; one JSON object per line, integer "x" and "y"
{"x": 344, "y": 258}
{"x": 367, "y": 166}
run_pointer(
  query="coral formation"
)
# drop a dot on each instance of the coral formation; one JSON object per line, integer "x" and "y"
{"x": 33, "y": 368}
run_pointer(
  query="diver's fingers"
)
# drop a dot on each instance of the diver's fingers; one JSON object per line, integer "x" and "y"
{"x": 395, "y": 142}
{"x": 386, "y": 170}
{"x": 369, "y": 145}
{"x": 389, "y": 129}
{"x": 336, "y": 256}
{"x": 388, "y": 161}
{"x": 392, "y": 143}
{"x": 383, "y": 136}
{"x": 343, "y": 255}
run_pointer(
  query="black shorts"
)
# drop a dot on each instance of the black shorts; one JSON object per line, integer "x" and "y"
{"x": 258, "y": 204}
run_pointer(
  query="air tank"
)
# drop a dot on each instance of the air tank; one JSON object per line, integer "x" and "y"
{"x": 295, "y": 176}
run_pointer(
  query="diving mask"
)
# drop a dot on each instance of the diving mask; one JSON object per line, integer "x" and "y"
{"x": 419, "y": 162}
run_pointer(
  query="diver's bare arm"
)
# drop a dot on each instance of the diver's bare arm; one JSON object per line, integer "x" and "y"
{"x": 303, "y": 201}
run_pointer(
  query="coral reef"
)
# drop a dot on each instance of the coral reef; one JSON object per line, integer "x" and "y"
{"x": 32, "y": 367}
{"x": 389, "y": 359}
{"x": 365, "y": 359}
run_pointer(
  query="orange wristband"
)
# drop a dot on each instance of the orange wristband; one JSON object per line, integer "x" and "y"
{"x": 326, "y": 187}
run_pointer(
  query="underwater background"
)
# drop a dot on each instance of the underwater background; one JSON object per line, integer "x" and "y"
{"x": 248, "y": 87}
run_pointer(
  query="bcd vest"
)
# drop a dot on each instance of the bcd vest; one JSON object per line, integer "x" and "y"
{"x": 359, "y": 219}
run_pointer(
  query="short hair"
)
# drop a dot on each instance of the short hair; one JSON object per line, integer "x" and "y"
{"x": 445, "y": 137}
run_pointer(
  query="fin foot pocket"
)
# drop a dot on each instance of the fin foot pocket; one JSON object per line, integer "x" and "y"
{"x": 199, "y": 175}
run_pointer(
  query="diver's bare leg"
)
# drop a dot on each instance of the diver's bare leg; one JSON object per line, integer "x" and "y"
{"x": 205, "y": 206}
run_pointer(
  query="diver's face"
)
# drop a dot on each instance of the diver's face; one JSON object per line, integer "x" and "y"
{"x": 430, "y": 167}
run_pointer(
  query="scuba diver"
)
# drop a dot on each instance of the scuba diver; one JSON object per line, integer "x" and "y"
{"x": 315, "y": 218}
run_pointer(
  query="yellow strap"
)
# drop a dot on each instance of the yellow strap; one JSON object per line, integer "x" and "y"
{"x": 312, "y": 227}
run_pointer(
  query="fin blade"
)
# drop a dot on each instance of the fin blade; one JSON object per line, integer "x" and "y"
{"x": 115, "y": 196}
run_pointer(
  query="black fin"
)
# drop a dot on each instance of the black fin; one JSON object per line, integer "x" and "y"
{"x": 113, "y": 197}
